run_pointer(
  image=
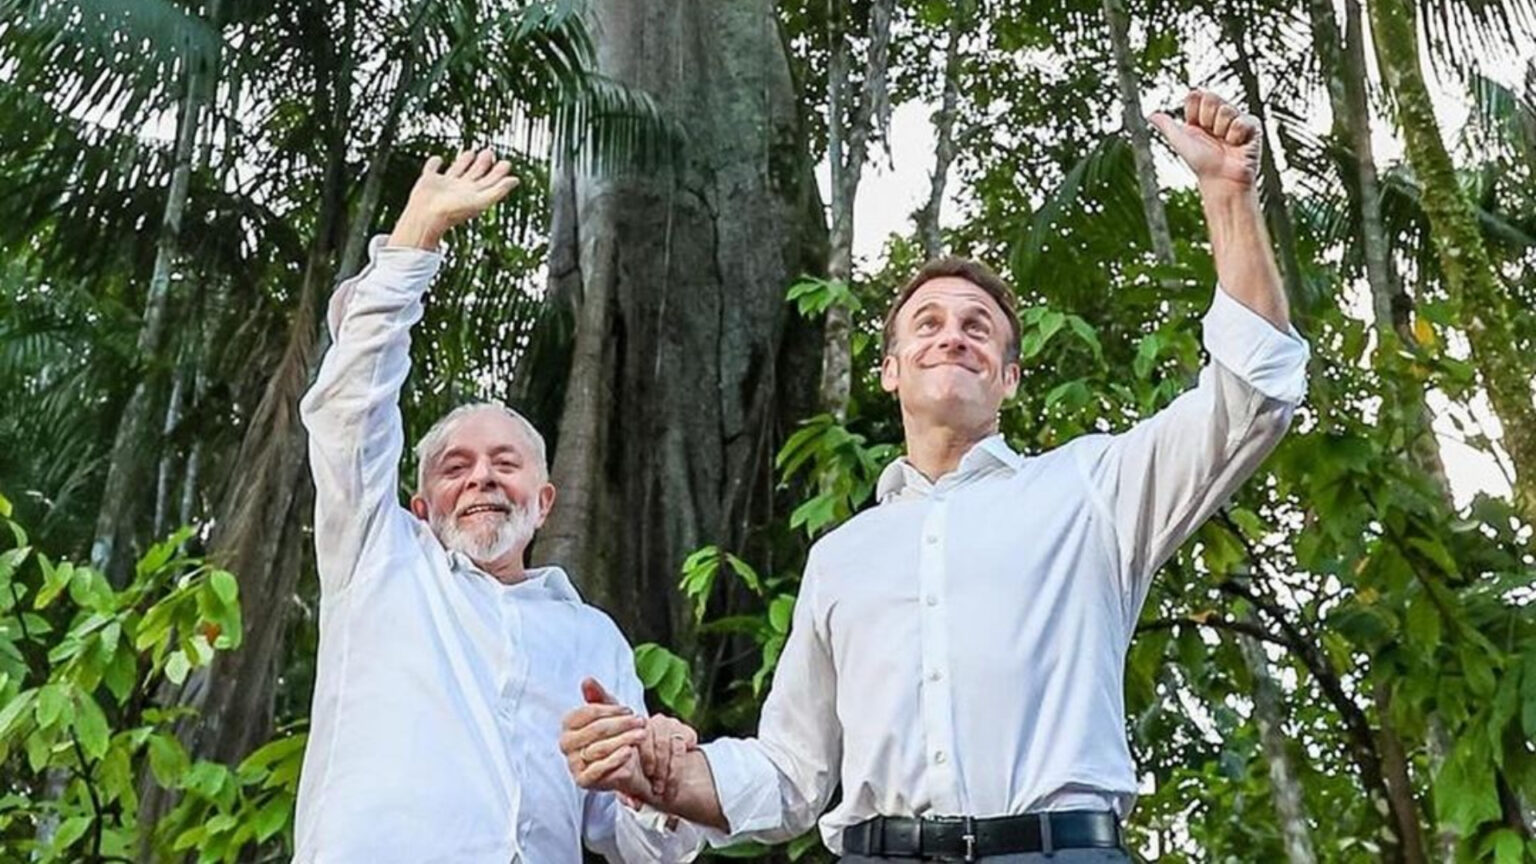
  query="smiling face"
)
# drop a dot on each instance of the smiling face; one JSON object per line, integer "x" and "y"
{"x": 948, "y": 360}
{"x": 485, "y": 490}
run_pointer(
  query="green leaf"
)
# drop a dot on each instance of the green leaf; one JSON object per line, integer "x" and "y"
{"x": 224, "y": 585}
{"x": 91, "y": 726}
{"x": 272, "y": 817}
{"x": 781, "y": 611}
{"x": 14, "y": 710}
{"x": 177, "y": 667}
{"x": 167, "y": 760}
{"x": 70, "y": 831}
{"x": 1146, "y": 355}
{"x": 1422, "y": 622}
{"x": 52, "y": 705}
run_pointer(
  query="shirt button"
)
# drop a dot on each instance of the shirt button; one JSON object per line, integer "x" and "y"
{"x": 939, "y": 757}
{"x": 933, "y": 599}
{"x": 934, "y": 675}
{"x": 931, "y": 539}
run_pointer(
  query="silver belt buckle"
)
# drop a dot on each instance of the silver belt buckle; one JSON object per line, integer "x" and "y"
{"x": 970, "y": 839}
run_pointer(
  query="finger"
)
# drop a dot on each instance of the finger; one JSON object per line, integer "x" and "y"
{"x": 1243, "y": 129}
{"x": 1210, "y": 103}
{"x": 499, "y": 191}
{"x": 599, "y": 750}
{"x": 588, "y": 714}
{"x": 1192, "y": 107}
{"x": 593, "y": 692}
{"x": 609, "y": 727}
{"x": 680, "y": 746}
{"x": 461, "y": 163}
{"x": 648, "y": 747}
{"x": 605, "y": 770}
{"x": 501, "y": 169}
{"x": 483, "y": 161}
{"x": 1224, "y": 117}
{"x": 1173, "y": 131}
{"x": 662, "y": 776}
{"x": 433, "y": 165}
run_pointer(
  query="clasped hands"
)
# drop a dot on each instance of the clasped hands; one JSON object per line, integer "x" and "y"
{"x": 608, "y": 747}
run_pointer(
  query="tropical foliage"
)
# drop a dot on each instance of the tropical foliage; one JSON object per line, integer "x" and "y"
{"x": 1340, "y": 666}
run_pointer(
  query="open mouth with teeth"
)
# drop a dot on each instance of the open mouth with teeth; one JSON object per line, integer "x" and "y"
{"x": 478, "y": 509}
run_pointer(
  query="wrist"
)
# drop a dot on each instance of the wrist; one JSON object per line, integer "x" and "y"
{"x": 1218, "y": 194}
{"x": 417, "y": 231}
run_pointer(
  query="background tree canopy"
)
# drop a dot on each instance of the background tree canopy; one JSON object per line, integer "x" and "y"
{"x": 1340, "y": 666}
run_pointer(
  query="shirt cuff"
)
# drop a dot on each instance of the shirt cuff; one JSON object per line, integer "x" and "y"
{"x": 747, "y": 785}
{"x": 399, "y": 268}
{"x": 643, "y": 834}
{"x": 1248, "y": 345}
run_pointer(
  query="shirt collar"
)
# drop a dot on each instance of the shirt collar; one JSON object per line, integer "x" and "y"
{"x": 550, "y": 582}
{"x": 899, "y": 478}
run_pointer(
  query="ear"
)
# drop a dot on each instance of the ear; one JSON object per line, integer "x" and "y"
{"x": 1010, "y": 380}
{"x": 890, "y": 373}
{"x": 546, "y": 502}
{"x": 419, "y": 507}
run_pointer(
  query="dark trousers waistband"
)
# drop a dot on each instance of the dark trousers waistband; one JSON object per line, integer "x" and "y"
{"x": 963, "y": 838}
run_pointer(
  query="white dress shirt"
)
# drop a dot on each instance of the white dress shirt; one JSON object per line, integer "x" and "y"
{"x": 439, "y": 690}
{"x": 959, "y": 649}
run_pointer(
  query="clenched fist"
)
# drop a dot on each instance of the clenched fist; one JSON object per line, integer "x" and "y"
{"x": 1218, "y": 142}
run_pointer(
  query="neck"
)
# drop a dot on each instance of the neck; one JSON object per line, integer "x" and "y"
{"x": 935, "y": 449}
{"x": 508, "y": 569}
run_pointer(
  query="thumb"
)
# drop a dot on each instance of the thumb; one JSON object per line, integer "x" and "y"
{"x": 1168, "y": 126}
{"x": 594, "y": 694}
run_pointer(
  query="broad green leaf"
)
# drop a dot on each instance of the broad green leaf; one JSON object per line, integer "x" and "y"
{"x": 91, "y": 726}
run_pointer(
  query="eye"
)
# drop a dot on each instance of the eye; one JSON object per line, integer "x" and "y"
{"x": 453, "y": 469}
{"x": 505, "y": 464}
{"x": 927, "y": 323}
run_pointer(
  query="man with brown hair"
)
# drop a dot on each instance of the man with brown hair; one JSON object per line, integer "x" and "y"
{"x": 956, "y": 657}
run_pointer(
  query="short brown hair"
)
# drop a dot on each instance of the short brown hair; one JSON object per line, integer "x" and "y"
{"x": 972, "y": 271}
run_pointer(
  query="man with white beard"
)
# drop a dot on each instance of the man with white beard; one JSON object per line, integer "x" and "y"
{"x": 444, "y": 665}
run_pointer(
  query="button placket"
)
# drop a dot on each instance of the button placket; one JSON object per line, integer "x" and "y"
{"x": 937, "y": 712}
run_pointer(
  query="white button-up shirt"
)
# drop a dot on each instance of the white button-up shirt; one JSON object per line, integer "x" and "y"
{"x": 959, "y": 649}
{"x": 439, "y": 691}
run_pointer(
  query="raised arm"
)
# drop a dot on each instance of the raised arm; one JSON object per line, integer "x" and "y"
{"x": 352, "y": 412}
{"x": 1223, "y": 147}
{"x": 1160, "y": 480}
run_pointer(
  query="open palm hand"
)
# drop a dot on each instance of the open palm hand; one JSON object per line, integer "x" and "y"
{"x": 443, "y": 198}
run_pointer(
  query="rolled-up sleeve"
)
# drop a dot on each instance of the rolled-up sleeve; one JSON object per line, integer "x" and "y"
{"x": 1157, "y": 482}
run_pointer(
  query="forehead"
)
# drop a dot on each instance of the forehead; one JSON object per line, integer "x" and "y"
{"x": 484, "y": 431}
{"x": 950, "y": 292}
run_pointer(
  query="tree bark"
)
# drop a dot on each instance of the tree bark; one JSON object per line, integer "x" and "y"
{"x": 1394, "y": 768}
{"x": 944, "y": 130}
{"x": 133, "y": 446}
{"x": 1465, "y": 267}
{"x": 847, "y": 148}
{"x": 1135, "y": 121}
{"x": 1267, "y": 715}
{"x": 677, "y": 282}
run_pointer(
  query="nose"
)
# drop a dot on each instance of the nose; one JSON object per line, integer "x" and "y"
{"x": 951, "y": 338}
{"x": 481, "y": 476}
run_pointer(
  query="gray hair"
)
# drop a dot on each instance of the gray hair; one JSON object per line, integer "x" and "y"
{"x": 435, "y": 441}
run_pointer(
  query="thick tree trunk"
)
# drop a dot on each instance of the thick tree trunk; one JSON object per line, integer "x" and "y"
{"x": 1464, "y": 264}
{"x": 133, "y": 447}
{"x": 1135, "y": 121}
{"x": 677, "y": 281}
{"x": 944, "y": 131}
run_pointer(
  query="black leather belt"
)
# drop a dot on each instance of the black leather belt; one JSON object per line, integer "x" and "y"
{"x": 962, "y": 838}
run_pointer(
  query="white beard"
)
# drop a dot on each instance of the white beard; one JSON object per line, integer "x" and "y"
{"x": 488, "y": 543}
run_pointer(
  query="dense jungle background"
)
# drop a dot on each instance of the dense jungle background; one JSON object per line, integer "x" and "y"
{"x": 1340, "y": 667}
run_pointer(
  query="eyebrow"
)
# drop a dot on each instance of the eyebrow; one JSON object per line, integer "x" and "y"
{"x": 973, "y": 304}
{"x": 498, "y": 450}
